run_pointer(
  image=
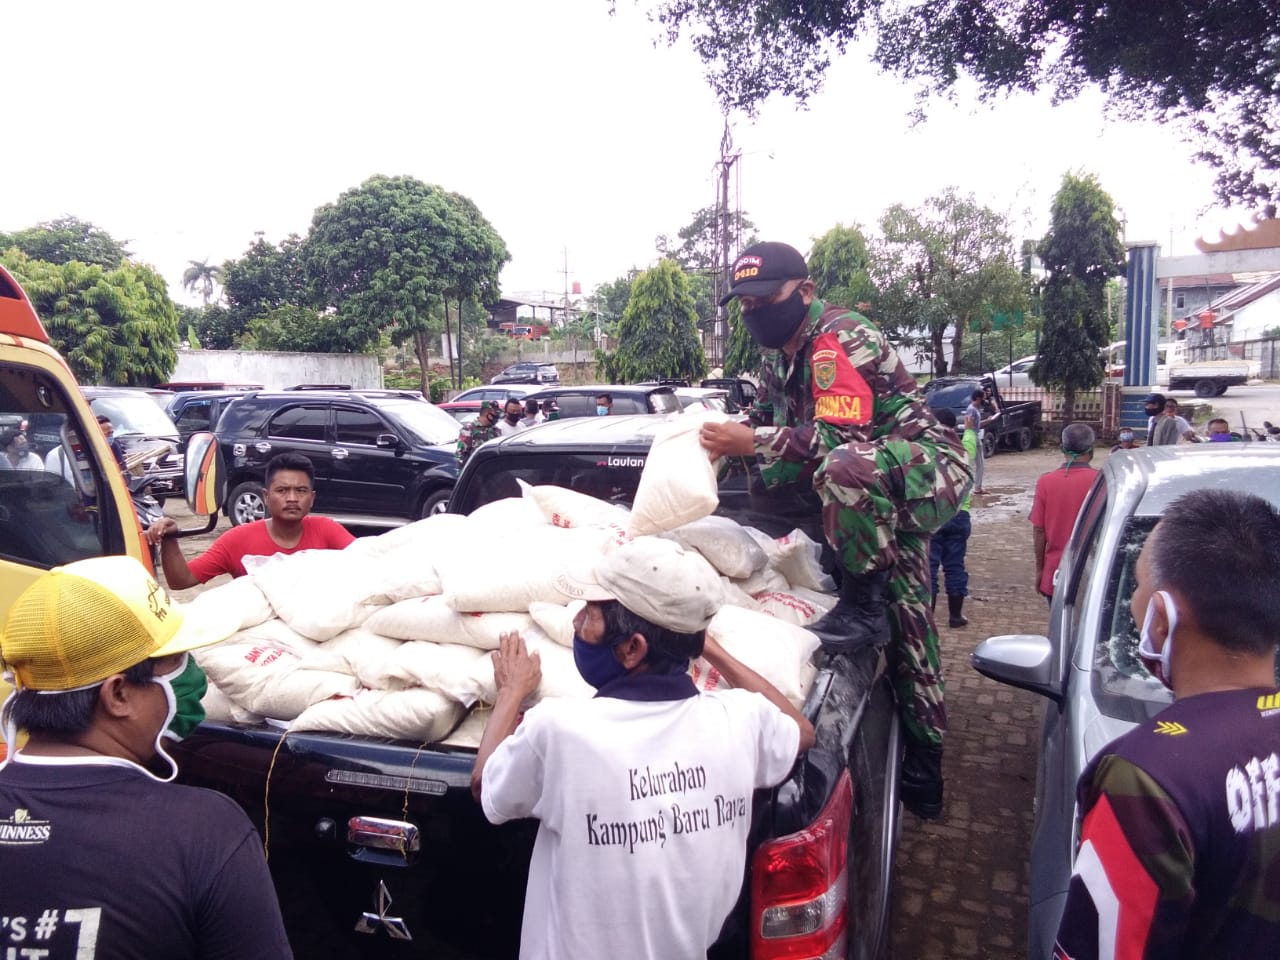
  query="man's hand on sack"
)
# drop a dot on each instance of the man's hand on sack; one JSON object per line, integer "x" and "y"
{"x": 514, "y": 667}
{"x": 727, "y": 440}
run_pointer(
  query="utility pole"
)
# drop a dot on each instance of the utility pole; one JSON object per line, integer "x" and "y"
{"x": 727, "y": 223}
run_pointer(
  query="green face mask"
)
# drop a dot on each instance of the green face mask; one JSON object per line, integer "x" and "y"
{"x": 188, "y": 690}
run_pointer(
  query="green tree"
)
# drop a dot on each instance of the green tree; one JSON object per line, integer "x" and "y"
{"x": 399, "y": 251}
{"x": 203, "y": 276}
{"x": 112, "y": 326}
{"x": 742, "y": 353}
{"x": 212, "y": 324}
{"x": 658, "y": 334}
{"x": 295, "y": 329}
{"x": 610, "y": 299}
{"x": 263, "y": 278}
{"x": 944, "y": 266}
{"x": 1209, "y": 67}
{"x": 67, "y": 239}
{"x": 840, "y": 267}
{"x": 1081, "y": 252}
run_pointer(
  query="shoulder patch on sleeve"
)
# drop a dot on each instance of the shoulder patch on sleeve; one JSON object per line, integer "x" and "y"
{"x": 840, "y": 393}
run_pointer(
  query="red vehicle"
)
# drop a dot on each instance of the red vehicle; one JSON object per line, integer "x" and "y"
{"x": 526, "y": 331}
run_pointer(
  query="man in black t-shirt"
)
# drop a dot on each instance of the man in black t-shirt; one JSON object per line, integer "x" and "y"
{"x": 101, "y": 857}
{"x": 1180, "y": 839}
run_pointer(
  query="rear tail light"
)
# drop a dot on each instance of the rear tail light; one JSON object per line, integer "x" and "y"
{"x": 800, "y": 886}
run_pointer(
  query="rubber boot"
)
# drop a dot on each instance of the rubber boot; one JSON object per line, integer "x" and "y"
{"x": 955, "y": 602}
{"x": 858, "y": 618}
{"x": 933, "y": 601}
{"x": 920, "y": 782}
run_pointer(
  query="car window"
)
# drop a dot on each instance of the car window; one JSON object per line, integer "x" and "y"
{"x": 576, "y": 405}
{"x": 134, "y": 416}
{"x": 356, "y": 426}
{"x": 613, "y": 479}
{"x": 955, "y": 395}
{"x": 424, "y": 422}
{"x": 623, "y": 405}
{"x": 1122, "y": 685}
{"x": 300, "y": 423}
{"x": 195, "y": 416}
{"x": 661, "y": 403}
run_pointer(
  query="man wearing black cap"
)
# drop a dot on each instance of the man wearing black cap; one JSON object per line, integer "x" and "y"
{"x": 839, "y": 410}
{"x": 643, "y": 793}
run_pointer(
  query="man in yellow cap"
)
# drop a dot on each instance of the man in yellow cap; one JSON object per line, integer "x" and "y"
{"x": 101, "y": 857}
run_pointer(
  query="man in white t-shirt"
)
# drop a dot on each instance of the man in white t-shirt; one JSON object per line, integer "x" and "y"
{"x": 644, "y": 792}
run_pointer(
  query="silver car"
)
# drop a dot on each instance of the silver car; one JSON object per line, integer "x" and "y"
{"x": 1088, "y": 668}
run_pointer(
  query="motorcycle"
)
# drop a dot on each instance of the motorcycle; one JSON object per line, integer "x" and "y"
{"x": 146, "y": 506}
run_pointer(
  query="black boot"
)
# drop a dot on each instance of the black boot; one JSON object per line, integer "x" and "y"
{"x": 858, "y": 618}
{"x": 920, "y": 783}
{"x": 955, "y": 601}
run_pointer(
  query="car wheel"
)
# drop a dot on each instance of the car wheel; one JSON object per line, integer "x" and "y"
{"x": 989, "y": 443}
{"x": 435, "y": 502}
{"x": 246, "y": 504}
{"x": 1205, "y": 388}
{"x": 1220, "y": 391}
{"x": 1025, "y": 439}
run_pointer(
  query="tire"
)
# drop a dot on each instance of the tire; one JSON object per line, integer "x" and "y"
{"x": 1220, "y": 391}
{"x": 246, "y": 504}
{"x": 989, "y": 444}
{"x": 437, "y": 501}
{"x": 1026, "y": 437}
{"x": 1205, "y": 389}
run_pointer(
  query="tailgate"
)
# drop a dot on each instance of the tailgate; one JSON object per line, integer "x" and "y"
{"x": 460, "y": 894}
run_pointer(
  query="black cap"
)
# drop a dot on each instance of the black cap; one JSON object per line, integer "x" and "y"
{"x": 762, "y": 268}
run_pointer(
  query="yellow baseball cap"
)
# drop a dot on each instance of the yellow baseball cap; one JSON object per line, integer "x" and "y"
{"x": 79, "y": 624}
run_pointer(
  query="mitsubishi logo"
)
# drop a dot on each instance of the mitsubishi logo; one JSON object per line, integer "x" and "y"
{"x": 369, "y": 922}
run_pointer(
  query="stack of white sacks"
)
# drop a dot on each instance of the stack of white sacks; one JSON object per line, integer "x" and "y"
{"x": 391, "y": 636}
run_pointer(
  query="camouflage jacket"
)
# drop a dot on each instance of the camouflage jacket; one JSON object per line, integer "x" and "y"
{"x": 1180, "y": 839}
{"x": 846, "y": 384}
{"x": 471, "y": 436}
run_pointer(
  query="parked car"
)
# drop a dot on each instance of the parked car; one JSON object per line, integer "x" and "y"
{"x": 1016, "y": 424}
{"x": 704, "y": 398}
{"x": 528, "y": 372}
{"x": 196, "y": 411}
{"x": 382, "y": 457}
{"x": 464, "y": 411}
{"x": 359, "y": 821}
{"x": 1088, "y": 668}
{"x": 580, "y": 401}
{"x": 145, "y": 433}
{"x": 520, "y": 390}
{"x": 742, "y": 392}
{"x": 1016, "y": 374}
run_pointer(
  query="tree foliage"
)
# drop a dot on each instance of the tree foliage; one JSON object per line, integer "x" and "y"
{"x": 840, "y": 265}
{"x": 944, "y": 266}
{"x": 741, "y": 353}
{"x": 265, "y": 278}
{"x": 294, "y": 329}
{"x": 1081, "y": 252}
{"x": 202, "y": 276}
{"x": 66, "y": 239}
{"x": 699, "y": 239}
{"x": 1210, "y": 67}
{"x": 658, "y": 334}
{"x": 396, "y": 250}
{"x": 112, "y": 326}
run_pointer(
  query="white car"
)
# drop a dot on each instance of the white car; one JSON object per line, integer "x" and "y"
{"x": 1015, "y": 374}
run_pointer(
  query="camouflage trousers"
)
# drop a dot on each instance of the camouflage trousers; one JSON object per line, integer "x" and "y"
{"x": 881, "y": 502}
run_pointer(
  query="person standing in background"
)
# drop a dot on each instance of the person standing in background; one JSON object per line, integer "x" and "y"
{"x": 950, "y": 543}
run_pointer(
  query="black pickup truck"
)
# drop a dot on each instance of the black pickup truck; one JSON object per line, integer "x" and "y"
{"x": 1014, "y": 425}
{"x": 372, "y": 842}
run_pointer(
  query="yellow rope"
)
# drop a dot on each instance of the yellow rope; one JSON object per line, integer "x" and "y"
{"x": 266, "y": 800}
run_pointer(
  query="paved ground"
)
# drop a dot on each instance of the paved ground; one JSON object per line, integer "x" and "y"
{"x": 962, "y": 880}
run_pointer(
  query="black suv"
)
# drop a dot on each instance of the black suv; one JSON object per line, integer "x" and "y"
{"x": 382, "y": 457}
{"x": 580, "y": 401}
{"x": 197, "y": 411}
{"x": 528, "y": 372}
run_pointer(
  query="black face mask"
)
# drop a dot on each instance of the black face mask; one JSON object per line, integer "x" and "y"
{"x": 773, "y": 324}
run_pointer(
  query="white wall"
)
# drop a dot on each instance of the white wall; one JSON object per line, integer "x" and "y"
{"x": 278, "y": 370}
{"x": 1248, "y": 322}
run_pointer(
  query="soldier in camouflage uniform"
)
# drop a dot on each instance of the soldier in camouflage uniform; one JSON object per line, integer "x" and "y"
{"x": 483, "y": 427}
{"x": 838, "y": 409}
{"x": 1180, "y": 820}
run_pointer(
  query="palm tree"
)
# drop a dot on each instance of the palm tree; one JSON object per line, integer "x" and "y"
{"x": 203, "y": 275}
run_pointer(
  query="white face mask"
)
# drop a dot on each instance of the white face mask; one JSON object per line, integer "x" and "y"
{"x": 1147, "y": 648}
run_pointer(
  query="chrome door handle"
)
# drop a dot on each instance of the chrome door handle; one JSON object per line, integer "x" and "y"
{"x": 339, "y": 453}
{"x": 262, "y": 446}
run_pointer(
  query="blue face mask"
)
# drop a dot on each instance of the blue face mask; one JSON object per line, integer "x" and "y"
{"x": 601, "y": 411}
{"x": 596, "y": 662}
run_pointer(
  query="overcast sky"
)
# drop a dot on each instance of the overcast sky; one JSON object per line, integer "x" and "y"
{"x": 185, "y": 129}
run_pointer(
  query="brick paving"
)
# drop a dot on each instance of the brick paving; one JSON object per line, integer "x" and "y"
{"x": 962, "y": 880}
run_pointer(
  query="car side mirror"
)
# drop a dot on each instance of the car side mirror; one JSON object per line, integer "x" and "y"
{"x": 204, "y": 478}
{"x": 1021, "y": 660}
{"x": 387, "y": 441}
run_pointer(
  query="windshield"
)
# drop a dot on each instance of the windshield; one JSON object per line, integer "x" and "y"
{"x": 425, "y": 422}
{"x": 134, "y": 416}
{"x": 1122, "y": 685}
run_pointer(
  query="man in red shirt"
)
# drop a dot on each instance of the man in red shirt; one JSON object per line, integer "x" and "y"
{"x": 1059, "y": 494}
{"x": 289, "y": 495}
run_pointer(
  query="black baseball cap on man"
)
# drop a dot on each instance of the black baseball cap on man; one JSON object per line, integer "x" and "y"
{"x": 762, "y": 268}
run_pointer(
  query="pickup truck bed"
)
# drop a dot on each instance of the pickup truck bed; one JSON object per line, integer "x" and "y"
{"x": 461, "y": 892}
